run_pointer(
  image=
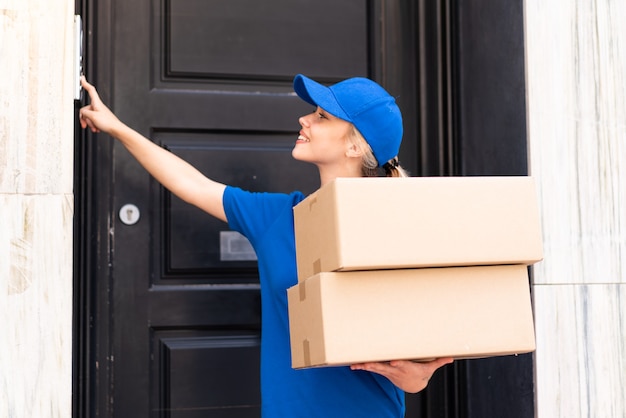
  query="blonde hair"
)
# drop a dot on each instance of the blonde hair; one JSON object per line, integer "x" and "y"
{"x": 369, "y": 165}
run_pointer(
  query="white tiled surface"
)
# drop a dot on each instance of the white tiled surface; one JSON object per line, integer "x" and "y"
{"x": 581, "y": 350}
{"x": 36, "y": 170}
{"x": 576, "y": 70}
{"x": 576, "y": 83}
{"x": 36, "y": 118}
{"x": 35, "y": 305}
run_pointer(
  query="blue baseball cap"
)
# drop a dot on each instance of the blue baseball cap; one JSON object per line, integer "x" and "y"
{"x": 363, "y": 103}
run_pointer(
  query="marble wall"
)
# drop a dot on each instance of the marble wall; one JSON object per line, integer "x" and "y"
{"x": 576, "y": 78}
{"x": 36, "y": 160}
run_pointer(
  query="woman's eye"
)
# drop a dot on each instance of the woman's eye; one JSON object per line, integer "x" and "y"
{"x": 321, "y": 115}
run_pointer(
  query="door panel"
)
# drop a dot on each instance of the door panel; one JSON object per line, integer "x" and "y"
{"x": 256, "y": 161}
{"x": 187, "y": 364}
{"x": 277, "y": 39}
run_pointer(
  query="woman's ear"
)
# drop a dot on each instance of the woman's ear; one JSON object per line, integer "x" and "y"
{"x": 353, "y": 151}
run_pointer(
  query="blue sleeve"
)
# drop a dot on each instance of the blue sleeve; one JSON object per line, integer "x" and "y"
{"x": 252, "y": 214}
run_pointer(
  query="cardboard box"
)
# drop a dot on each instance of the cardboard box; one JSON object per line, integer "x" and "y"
{"x": 380, "y": 223}
{"x": 463, "y": 312}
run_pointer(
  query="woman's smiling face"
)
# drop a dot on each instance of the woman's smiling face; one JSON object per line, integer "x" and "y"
{"x": 323, "y": 138}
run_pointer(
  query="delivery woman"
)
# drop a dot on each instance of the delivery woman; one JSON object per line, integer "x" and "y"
{"x": 355, "y": 128}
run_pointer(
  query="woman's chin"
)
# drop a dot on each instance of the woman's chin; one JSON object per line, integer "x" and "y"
{"x": 298, "y": 155}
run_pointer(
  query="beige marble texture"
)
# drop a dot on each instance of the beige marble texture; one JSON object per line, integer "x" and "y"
{"x": 576, "y": 91}
{"x": 576, "y": 86}
{"x": 35, "y": 305}
{"x": 36, "y": 90}
{"x": 36, "y": 214}
{"x": 581, "y": 350}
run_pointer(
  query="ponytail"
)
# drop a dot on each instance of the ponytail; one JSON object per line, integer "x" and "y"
{"x": 392, "y": 168}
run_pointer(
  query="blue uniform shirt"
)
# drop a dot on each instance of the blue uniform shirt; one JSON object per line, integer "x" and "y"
{"x": 266, "y": 219}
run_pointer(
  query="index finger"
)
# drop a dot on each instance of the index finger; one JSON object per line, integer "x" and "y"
{"x": 90, "y": 89}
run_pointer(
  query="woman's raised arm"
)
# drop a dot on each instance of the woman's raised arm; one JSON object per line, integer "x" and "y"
{"x": 175, "y": 174}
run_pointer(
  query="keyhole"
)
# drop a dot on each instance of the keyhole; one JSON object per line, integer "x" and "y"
{"x": 129, "y": 214}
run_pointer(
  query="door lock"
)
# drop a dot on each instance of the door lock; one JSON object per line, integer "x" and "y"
{"x": 129, "y": 214}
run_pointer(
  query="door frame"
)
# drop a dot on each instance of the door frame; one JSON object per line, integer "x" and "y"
{"x": 463, "y": 94}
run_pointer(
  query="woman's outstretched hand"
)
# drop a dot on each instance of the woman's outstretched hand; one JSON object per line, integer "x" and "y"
{"x": 96, "y": 116}
{"x": 409, "y": 376}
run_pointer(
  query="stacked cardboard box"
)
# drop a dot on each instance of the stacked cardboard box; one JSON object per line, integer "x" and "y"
{"x": 414, "y": 268}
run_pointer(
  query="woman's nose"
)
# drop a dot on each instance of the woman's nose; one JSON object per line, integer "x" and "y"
{"x": 304, "y": 121}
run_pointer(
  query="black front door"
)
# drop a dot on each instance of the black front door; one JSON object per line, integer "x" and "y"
{"x": 173, "y": 293}
{"x": 167, "y": 300}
